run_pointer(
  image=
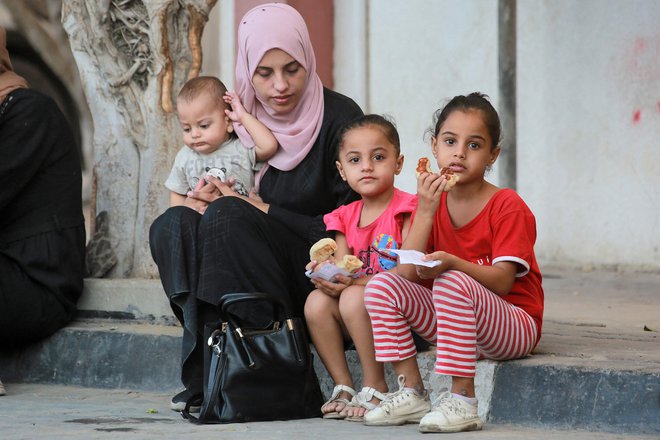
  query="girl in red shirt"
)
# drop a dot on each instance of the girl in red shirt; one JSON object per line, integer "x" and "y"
{"x": 482, "y": 299}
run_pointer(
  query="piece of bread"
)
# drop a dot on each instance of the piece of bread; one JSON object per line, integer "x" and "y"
{"x": 450, "y": 176}
{"x": 423, "y": 166}
{"x": 322, "y": 250}
{"x": 350, "y": 263}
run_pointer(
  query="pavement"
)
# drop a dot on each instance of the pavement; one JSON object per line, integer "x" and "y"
{"x": 32, "y": 411}
{"x": 595, "y": 374}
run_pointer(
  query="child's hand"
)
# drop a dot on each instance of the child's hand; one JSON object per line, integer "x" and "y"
{"x": 315, "y": 265}
{"x": 446, "y": 263}
{"x": 237, "y": 111}
{"x": 429, "y": 190}
{"x": 333, "y": 288}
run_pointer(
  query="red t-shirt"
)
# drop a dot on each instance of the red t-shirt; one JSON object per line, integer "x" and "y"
{"x": 504, "y": 230}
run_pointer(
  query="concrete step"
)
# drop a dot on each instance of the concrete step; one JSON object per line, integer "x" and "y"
{"x": 584, "y": 374}
{"x": 124, "y": 354}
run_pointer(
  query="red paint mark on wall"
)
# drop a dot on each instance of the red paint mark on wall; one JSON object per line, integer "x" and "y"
{"x": 658, "y": 106}
{"x": 639, "y": 45}
{"x": 637, "y": 116}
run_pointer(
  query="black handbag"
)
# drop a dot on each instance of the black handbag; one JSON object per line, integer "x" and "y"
{"x": 257, "y": 374}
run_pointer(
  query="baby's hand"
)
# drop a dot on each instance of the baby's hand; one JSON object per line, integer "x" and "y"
{"x": 237, "y": 111}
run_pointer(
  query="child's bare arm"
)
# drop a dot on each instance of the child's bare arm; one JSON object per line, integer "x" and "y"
{"x": 265, "y": 143}
{"x": 429, "y": 190}
{"x": 498, "y": 278}
{"x": 342, "y": 246}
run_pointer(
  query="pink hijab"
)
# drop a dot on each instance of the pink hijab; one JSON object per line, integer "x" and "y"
{"x": 265, "y": 27}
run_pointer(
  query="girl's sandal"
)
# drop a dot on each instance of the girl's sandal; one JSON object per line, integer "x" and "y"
{"x": 336, "y": 399}
{"x": 363, "y": 400}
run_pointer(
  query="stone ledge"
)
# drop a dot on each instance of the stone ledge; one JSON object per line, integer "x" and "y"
{"x": 532, "y": 391}
{"x": 119, "y": 354}
{"x": 131, "y": 298}
{"x": 598, "y": 399}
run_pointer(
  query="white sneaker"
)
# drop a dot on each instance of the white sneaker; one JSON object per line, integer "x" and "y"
{"x": 451, "y": 414}
{"x": 400, "y": 407}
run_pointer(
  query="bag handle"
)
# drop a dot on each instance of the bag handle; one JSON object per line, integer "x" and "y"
{"x": 231, "y": 299}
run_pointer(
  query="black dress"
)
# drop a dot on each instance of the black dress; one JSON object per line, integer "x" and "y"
{"x": 235, "y": 247}
{"x": 42, "y": 232}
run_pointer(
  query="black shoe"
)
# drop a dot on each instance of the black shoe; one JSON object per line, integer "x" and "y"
{"x": 178, "y": 402}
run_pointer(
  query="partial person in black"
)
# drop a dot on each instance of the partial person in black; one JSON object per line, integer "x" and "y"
{"x": 42, "y": 232}
{"x": 258, "y": 243}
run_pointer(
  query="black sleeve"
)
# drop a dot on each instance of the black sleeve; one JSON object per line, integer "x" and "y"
{"x": 23, "y": 144}
{"x": 311, "y": 227}
{"x": 40, "y": 173}
{"x": 339, "y": 110}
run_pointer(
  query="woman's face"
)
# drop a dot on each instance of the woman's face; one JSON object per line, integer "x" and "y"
{"x": 279, "y": 81}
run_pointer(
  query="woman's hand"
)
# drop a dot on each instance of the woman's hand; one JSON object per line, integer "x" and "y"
{"x": 224, "y": 189}
{"x": 257, "y": 202}
{"x": 194, "y": 201}
{"x": 447, "y": 262}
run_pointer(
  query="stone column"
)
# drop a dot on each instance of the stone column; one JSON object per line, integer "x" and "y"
{"x": 133, "y": 56}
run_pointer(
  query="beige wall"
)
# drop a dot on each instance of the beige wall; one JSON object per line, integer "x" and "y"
{"x": 588, "y": 106}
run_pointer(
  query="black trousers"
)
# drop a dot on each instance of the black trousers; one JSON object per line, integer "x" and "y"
{"x": 40, "y": 278}
{"x": 233, "y": 247}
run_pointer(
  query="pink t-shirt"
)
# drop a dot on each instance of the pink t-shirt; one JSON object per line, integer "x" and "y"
{"x": 504, "y": 230}
{"x": 370, "y": 243}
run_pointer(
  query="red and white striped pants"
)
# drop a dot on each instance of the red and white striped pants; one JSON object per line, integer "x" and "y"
{"x": 461, "y": 317}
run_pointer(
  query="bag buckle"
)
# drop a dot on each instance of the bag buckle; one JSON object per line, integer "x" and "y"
{"x": 216, "y": 338}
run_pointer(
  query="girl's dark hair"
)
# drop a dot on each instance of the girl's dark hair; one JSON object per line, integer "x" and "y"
{"x": 473, "y": 101}
{"x": 381, "y": 122}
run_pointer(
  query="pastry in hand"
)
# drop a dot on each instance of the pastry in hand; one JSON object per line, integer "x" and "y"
{"x": 450, "y": 176}
{"x": 423, "y": 166}
{"x": 350, "y": 263}
{"x": 322, "y": 250}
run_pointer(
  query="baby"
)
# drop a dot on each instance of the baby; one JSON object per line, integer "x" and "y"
{"x": 206, "y": 112}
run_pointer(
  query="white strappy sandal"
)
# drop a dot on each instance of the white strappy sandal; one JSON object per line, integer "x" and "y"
{"x": 363, "y": 400}
{"x": 335, "y": 399}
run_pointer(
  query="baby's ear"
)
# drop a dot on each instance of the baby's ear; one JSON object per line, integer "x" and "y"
{"x": 230, "y": 125}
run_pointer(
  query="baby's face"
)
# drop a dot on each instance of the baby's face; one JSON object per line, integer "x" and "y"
{"x": 204, "y": 123}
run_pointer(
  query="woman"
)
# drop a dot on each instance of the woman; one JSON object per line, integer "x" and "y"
{"x": 258, "y": 243}
{"x": 42, "y": 232}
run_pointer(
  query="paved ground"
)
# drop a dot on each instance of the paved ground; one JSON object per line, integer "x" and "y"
{"x": 604, "y": 322}
{"x": 32, "y": 411}
{"x": 625, "y": 302}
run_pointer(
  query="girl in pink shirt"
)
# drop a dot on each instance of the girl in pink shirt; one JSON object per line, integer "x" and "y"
{"x": 369, "y": 158}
